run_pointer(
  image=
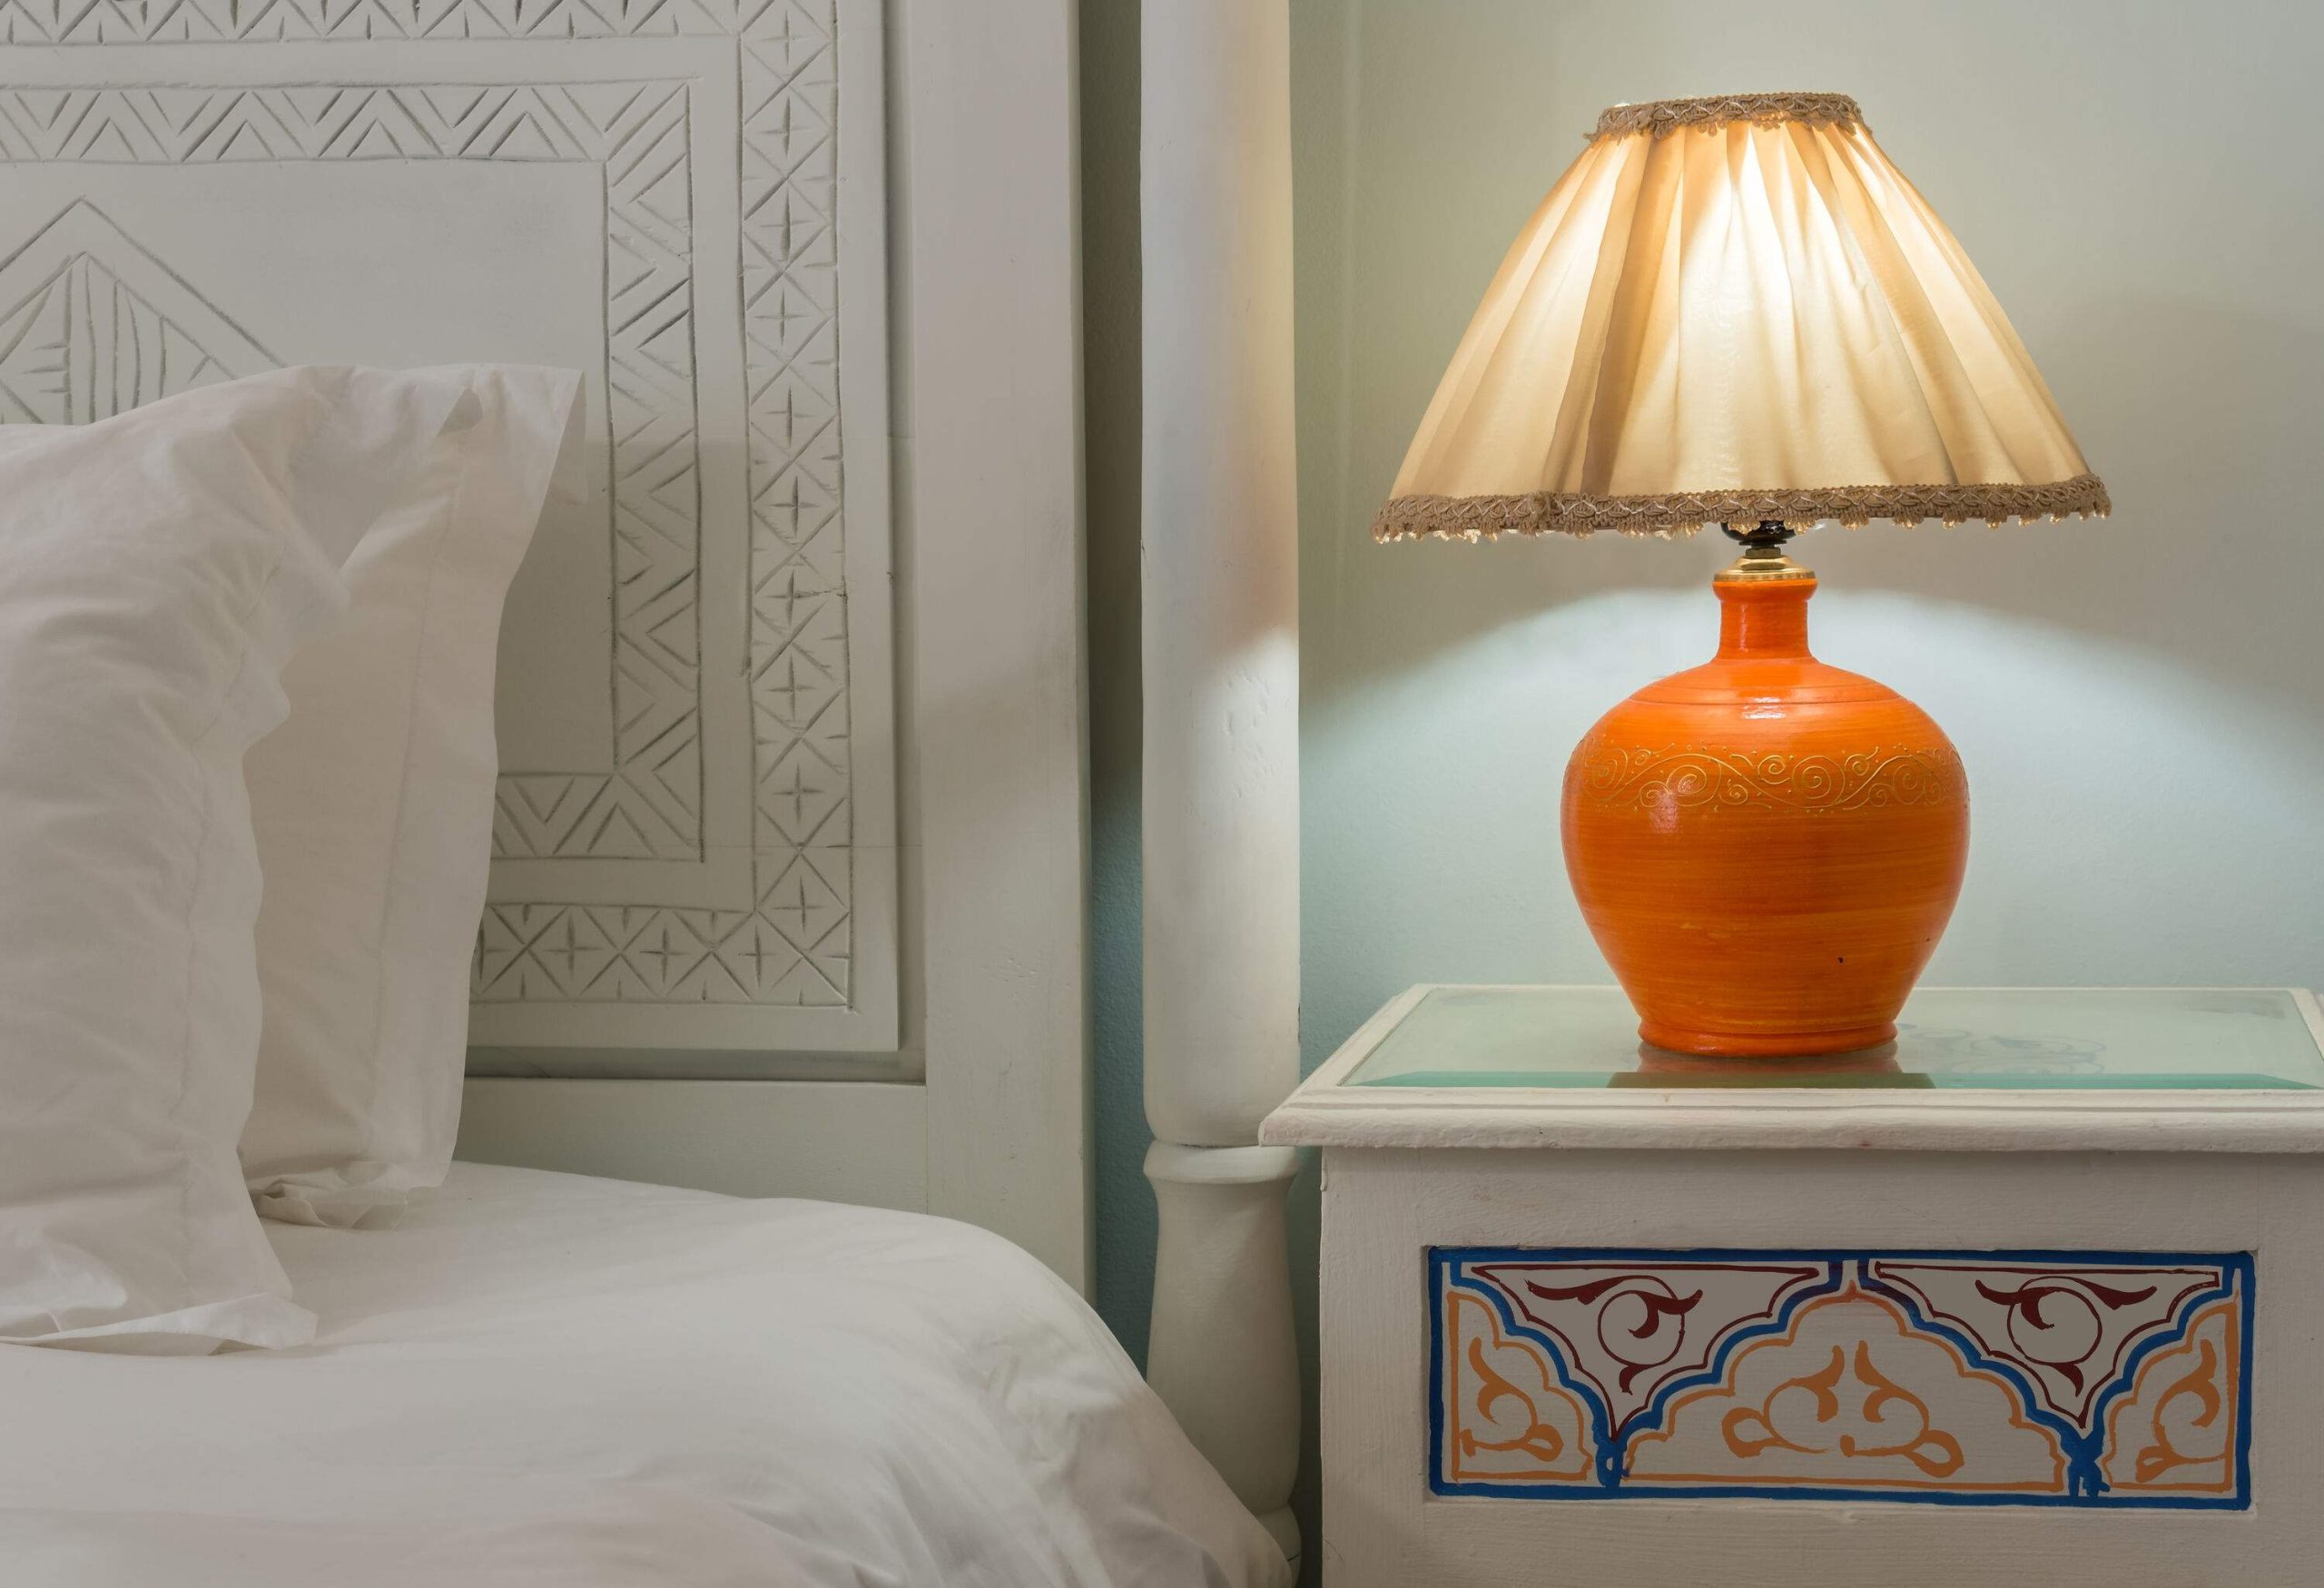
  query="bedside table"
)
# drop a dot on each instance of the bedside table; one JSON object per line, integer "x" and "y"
{"x": 1983, "y": 1307}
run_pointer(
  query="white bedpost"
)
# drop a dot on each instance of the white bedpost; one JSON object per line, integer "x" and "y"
{"x": 1221, "y": 681}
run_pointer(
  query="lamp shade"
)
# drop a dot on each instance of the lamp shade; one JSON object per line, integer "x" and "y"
{"x": 1736, "y": 311}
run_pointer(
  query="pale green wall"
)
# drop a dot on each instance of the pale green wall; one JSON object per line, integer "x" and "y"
{"x": 2140, "y": 702}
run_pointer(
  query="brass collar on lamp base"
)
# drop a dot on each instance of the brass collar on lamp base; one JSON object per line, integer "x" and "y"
{"x": 1763, "y": 556}
{"x": 1767, "y": 848}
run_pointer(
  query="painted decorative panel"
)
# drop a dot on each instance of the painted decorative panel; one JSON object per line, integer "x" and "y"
{"x": 693, "y": 842}
{"x": 2039, "y": 1378}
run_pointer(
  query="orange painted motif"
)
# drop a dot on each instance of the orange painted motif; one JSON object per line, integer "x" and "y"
{"x": 1530, "y": 1446}
{"x": 2204, "y": 1374}
{"x": 1749, "y": 1430}
{"x": 1765, "y": 848}
{"x": 1814, "y": 1408}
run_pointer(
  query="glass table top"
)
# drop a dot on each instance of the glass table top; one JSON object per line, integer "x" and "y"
{"x": 1949, "y": 1039}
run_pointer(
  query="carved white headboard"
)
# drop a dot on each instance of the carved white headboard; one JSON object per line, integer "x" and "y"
{"x": 694, "y": 843}
{"x": 793, "y": 785}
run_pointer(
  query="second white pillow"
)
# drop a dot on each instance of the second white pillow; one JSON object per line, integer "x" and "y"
{"x": 373, "y": 808}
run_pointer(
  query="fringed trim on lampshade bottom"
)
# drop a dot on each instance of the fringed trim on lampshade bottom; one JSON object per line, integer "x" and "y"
{"x": 1685, "y": 512}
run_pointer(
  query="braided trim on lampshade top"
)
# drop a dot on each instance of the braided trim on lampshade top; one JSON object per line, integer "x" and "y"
{"x": 1662, "y": 117}
{"x": 1416, "y": 517}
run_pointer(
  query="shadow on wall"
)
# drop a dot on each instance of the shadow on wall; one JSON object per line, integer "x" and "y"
{"x": 2212, "y": 560}
{"x": 2103, "y": 773}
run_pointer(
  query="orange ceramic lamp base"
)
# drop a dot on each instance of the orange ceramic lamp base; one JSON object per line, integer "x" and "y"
{"x": 1765, "y": 848}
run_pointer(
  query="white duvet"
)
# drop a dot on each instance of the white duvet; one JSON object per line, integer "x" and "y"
{"x": 547, "y": 1379}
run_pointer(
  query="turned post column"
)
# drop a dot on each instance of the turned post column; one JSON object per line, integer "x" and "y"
{"x": 1219, "y": 536}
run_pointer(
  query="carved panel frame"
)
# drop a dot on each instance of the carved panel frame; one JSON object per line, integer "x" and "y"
{"x": 728, "y": 879}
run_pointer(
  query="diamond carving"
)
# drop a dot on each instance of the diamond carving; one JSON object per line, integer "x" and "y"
{"x": 94, "y": 325}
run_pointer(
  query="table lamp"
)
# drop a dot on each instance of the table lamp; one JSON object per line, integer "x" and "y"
{"x": 1737, "y": 311}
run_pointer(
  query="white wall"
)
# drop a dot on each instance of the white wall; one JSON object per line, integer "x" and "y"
{"x": 2139, "y": 700}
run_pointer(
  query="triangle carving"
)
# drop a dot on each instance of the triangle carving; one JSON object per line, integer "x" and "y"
{"x": 93, "y": 324}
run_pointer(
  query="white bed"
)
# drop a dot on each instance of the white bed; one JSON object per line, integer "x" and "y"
{"x": 550, "y": 1379}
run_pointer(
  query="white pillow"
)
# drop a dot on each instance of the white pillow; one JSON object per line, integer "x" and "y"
{"x": 373, "y": 805}
{"x": 154, "y": 570}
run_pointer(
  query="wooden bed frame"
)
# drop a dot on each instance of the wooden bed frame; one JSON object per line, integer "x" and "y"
{"x": 789, "y": 884}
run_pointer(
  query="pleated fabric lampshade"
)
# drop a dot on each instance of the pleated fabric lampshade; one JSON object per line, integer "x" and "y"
{"x": 1736, "y": 311}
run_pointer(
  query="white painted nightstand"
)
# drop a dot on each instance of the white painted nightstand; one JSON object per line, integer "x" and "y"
{"x": 2035, "y": 1297}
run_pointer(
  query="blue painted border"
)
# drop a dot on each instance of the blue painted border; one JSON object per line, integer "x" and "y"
{"x": 2089, "y": 1489}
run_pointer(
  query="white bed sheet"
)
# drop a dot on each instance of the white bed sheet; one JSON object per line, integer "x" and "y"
{"x": 550, "y": 1379}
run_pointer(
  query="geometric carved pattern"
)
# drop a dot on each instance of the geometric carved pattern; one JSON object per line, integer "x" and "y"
{"x": 92, "y": 325}
{"x": 2041, "y": 1378}
{"x": 793, "y": 945}
{"x": 649, "y": 804}
{"x": 119, "y": 22}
